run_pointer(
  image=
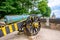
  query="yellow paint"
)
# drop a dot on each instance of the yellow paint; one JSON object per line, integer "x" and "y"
{"x": 35, "y": 24}
{"x": 24, "y": 23}
{"x": 33, "y": 17}
{"x": 10, "y": 28}
{"x": 3, "y": 30}
{"x": 30, "y": 17}
{"x": 28, "y": 26}
{"x": 15, "y": 25}
{"x": 0, "y": 28}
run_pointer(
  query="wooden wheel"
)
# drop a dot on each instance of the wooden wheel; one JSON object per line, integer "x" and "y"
{"x": 32, "y": 26}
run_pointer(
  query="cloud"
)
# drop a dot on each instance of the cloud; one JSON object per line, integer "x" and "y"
{"x": 55, "y": 7}
{"x": 56, "y": 12}
{"x": 53, "y": 3}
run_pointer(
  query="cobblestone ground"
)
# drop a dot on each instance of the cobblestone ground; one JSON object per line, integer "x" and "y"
{"x": 44, "y": 34}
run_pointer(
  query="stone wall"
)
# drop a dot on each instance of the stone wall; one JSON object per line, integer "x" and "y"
{"x": 51, "y": 25}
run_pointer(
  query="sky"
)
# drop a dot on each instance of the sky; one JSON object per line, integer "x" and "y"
{"x": 55, "y": 7}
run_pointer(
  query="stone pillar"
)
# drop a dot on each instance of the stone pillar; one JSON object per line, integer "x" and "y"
{"x": 47, "y": 22}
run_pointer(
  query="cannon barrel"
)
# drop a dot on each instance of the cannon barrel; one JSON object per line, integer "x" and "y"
{"x": 14, "y": 18}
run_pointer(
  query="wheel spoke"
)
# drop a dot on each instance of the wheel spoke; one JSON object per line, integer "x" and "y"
{"x": 34, "y": 31}
{"x": 32, "y": 25}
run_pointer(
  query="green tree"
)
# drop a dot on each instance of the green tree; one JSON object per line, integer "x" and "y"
{"x": 44, "y": 9}
{"x": 35, "y": 12}
{"x": 12, "y": 7}
{"x": 9, "y": 7}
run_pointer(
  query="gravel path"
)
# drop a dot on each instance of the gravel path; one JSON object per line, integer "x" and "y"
{"x": 44, "y": 34}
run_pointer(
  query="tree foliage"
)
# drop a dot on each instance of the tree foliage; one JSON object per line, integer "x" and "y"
{"x": 44, "y": 9}
{"x": 12, "y": 7}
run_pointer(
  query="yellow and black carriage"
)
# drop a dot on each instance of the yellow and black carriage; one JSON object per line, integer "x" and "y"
{"x": 29, "y": 24}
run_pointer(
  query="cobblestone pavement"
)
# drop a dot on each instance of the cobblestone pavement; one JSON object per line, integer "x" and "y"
{"x": 44, "y": 34}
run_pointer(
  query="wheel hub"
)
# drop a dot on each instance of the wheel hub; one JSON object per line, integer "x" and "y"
{"x": 35, "y": 24}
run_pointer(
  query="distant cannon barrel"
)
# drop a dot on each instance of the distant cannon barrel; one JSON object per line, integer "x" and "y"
{"x": 15, "y": 18}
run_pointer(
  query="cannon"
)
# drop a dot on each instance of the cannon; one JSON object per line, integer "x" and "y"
{"x": 29, "y": 24}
